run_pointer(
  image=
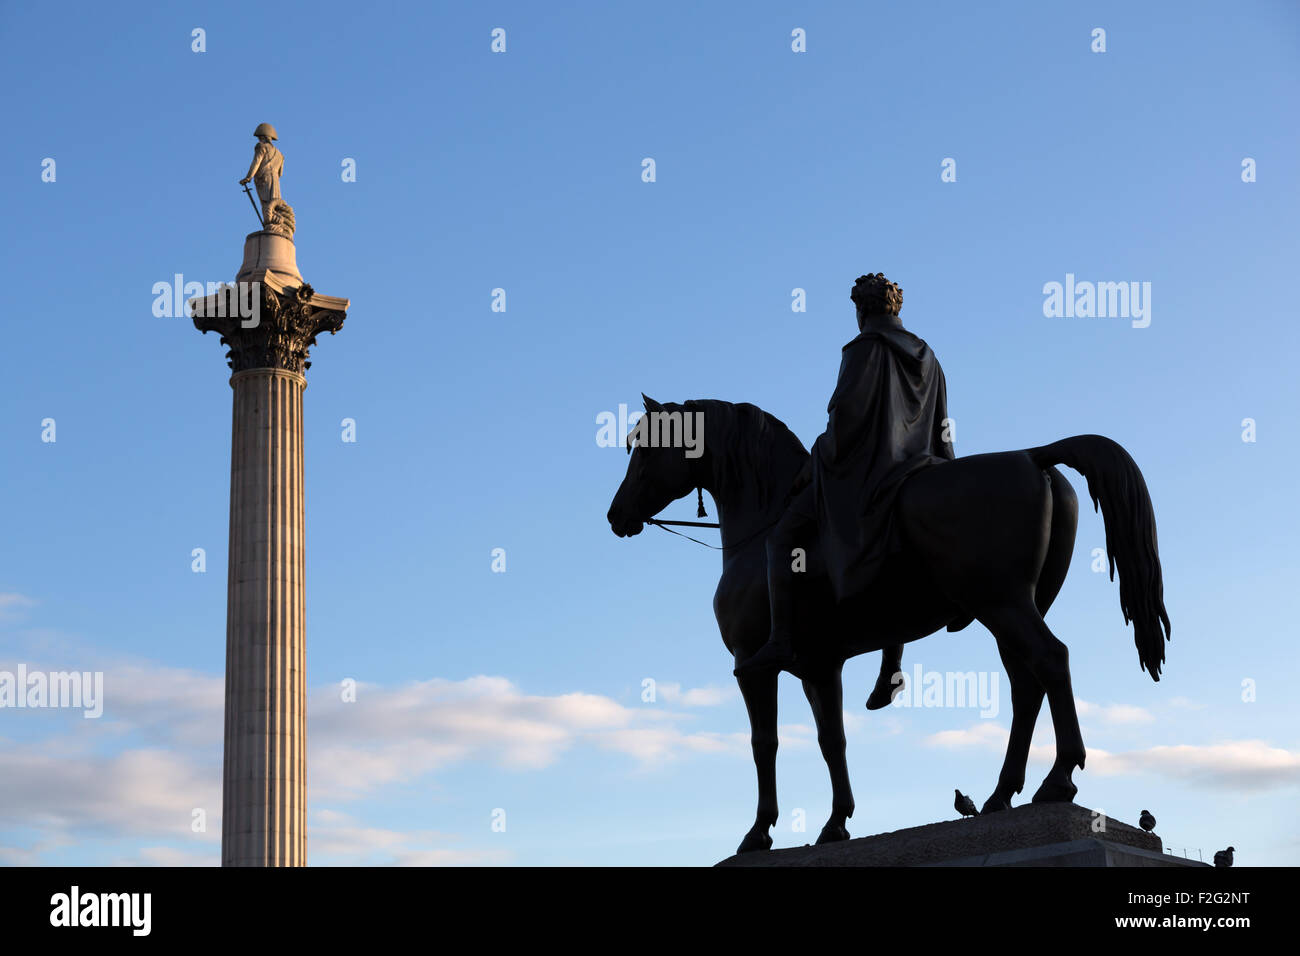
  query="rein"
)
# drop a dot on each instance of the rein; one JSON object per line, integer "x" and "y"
{"x": 701, "y": 513}
{"x": 706, "y": 524}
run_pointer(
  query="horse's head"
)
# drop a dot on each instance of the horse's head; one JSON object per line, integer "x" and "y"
{"x": 747, "y": 463}
{"x": 664, "y": 449}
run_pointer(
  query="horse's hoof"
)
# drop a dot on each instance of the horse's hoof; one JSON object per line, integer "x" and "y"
{"x": 1053, "y": 792}
{"x": 754, "y": 841}
{"x": 994, "y": 804}
{"x": 832, "y": 833}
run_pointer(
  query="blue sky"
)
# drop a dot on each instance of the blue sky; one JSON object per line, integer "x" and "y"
{"x": 476, "y": 429}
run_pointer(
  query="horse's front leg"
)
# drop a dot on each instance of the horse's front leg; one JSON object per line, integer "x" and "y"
{"x": 825, "y": 693}
{"x": 759, "y": 691}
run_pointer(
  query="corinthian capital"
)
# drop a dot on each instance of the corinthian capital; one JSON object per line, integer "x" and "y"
{"x": 268, "y": 323}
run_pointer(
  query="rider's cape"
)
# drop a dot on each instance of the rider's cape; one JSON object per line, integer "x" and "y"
{"x": 886, "y": 422}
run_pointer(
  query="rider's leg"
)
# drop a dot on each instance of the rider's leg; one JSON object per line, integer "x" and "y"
{"x": 890, "y": 679}
{"x": 796, "y": 529}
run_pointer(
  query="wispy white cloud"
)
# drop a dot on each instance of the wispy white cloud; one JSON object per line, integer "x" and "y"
{"x": 155, "y": 755}
{"x": 880, "y": 723}
{"x": 137, "y": 774}
{"x": 655, "y": 745}
{"x": 710, "y": 696}
{"x": 13, "y": 604}
{"x": 986, "y": 734}
{"x": 34, "y": 854}
{"x": 389, "y": 735}
{"x": 993, "y": 736}
{"x": 171, "y": 856}
{"x": 1113, "y": 714}
{"x": 140, "y": 792}
{"x": 1238, "y": 765}
{"x": 337, "y": 839}
{"x": 1241, "y": 765}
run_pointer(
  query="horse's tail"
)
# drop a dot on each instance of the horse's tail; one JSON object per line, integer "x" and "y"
{"x": 1115, "y": 484}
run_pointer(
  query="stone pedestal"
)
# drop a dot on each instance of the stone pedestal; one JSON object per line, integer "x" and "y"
{"x": 1036, "y": 834}
{"x": 269, "y": 252}
{"x": 269, "y": 321}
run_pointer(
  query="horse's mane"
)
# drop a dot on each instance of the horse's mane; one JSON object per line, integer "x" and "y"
{"x": 749, "y": 447}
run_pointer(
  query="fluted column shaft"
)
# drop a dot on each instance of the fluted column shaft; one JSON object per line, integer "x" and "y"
{"x": 264, "y": 798}
{"x": 268, "y": 320}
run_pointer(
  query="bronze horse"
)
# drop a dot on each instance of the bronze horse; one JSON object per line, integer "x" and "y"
{"x": 987, "y": 538}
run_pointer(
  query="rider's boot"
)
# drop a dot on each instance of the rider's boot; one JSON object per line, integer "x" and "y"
{"x": 778, "y": 652}
{"x": 890, "y": 679}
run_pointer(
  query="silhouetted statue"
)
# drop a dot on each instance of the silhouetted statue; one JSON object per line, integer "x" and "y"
{"x": 888, "y": 418}
{"x": 985, "y": 537}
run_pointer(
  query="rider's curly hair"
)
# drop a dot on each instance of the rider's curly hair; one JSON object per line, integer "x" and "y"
{"x": 875, "y": 294}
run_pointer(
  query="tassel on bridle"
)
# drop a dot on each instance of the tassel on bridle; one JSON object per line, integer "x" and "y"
{"x": 701, "y": 513}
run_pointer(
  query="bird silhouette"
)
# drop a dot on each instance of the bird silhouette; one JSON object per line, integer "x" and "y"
{"x": 1224, "y": 857}
{"x": 964, "y": 805}
{"x": 1147, "y": 821}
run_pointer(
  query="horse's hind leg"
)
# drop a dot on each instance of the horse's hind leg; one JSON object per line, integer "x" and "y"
{"x": 1026, "y": 691}
{"x": 759, "y": 691}
{"x": 1026, "y": 701}
{"x": 1021, "y": 630}
{"x": 825, "y": 693}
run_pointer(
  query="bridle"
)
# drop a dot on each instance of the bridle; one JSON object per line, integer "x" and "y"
{"x": 707, "y": 524}
{"x": 701, "y": 513}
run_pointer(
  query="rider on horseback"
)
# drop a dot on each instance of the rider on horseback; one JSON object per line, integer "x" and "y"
{"x": 888, "y": 418}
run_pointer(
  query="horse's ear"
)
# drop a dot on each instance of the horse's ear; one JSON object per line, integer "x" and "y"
{"x": 650, "y": 404}
{"x": 631, "y": 432}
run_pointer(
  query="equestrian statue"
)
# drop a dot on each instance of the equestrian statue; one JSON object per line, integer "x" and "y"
{"x": 882, "y": 536}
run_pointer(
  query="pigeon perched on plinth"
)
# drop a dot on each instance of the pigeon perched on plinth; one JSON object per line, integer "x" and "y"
{"x": 964, "y": 805}
{"x": 1224, "y": 857}
{"x": 1147, "y": 821}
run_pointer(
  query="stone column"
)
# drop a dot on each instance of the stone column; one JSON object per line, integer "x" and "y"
{"x": 265, "y": 780}
{"x": 269, "y": 319}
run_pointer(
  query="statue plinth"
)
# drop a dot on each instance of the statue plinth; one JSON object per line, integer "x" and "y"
{"x": 267, "y": 251}
{"x": 1035, "y": 834}
{"x": 269, "y": 319}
